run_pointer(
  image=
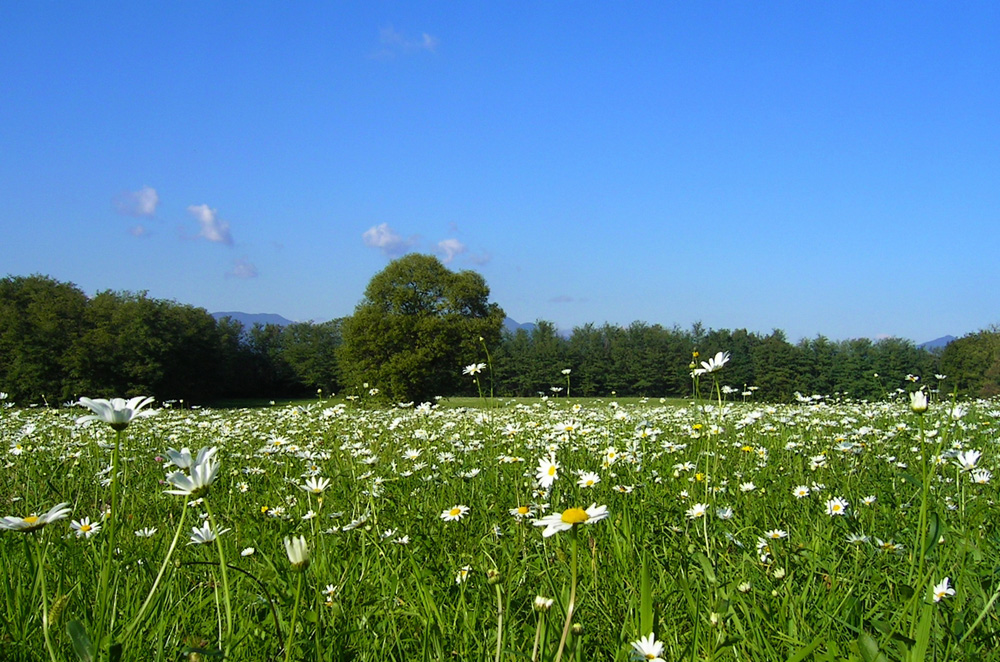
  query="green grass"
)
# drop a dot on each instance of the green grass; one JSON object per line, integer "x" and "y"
{"x": 708, "y": 590}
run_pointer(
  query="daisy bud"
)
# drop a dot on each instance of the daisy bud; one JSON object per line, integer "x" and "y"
{"x": 918, "y": 402}
{"x": 298, "y": 553}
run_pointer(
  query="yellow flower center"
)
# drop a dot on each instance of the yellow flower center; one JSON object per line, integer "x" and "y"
{"x": 552, "y": 470}
{"x": 31, "y": 519}
{"x": 85, "y": 527}
{"x": 575, "y": 515}
{"x": 454, "y": 512}
{"x": 522, "y": 510}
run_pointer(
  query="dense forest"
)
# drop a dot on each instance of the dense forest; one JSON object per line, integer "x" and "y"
{"x": 57, "y": 344}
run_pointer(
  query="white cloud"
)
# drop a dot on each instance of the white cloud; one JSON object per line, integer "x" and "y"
{"x": 386, "y": 240}
{"x": 138, "y": 230}
{"x": 242, "y": 268}
{"x": 395, "y": 42}
{"x": 138, "y": 203}
{"x": 449, "y": 248}
{"x": 213, "y": 228}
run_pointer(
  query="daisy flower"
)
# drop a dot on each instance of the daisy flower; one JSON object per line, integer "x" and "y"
{"x": 196, "y": 483}
{"x": 566, "y": 520}
{"x": 588, "y": 479}
{"x": 117, "y": 412}
{"x": 204, "y": 534}
{"x": 454, "y": 513}
{"x": 980, "y": 476}
{"x": 697, "y": 510}
{"x": 542, "y": 603}
{"x": 85, "y": 528}
{"x": 182, "y": 459}
{"x": 776, "y": 534}
{"x": 713, "y": 364}
{"x": 298, "y": 553}
{"x": 147, "y": 532}
{"x": 800, "y": 491}
{"x": 463, "y": 574}
{"x": 942, "y": 590}
{"x": 315, "y": 485}
{"x": 547, "y": 472}
{"x": 836, "y": 506}
{"x": 35, "y": 522}
{"x": 647, "y": 648}
{"x": 521, "y": 512}
{"x": 966, "y": 460}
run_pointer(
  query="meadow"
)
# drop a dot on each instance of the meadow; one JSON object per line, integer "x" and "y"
{"x": 717, "y": 529}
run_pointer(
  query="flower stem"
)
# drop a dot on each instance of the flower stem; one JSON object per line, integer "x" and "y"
{"x": 138, "y": 618}
{"x": 295, "y": 615}
{"x": 225, "y": 579}
{"x": 45, "y": 605}
{"x": 499, "y": 620}
{"x": 572, "y": 595}
{"x": 106, "y": 620}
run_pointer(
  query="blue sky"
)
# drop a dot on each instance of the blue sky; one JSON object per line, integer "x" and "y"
{"x": 823, "y": 168}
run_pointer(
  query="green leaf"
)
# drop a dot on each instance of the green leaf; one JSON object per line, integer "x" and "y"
{"x": 706, "y": 566}
{"x": 869, "y": 649}
{"x": 806, "y": 650}
{"x": 911, "y": 479}
{"x": 645, "y": 598}
{"x": 81, "y": 642}
{"x": 934, "y": 530}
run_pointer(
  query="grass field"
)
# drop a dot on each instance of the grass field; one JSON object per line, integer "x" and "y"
{"x": 332, "y": 530}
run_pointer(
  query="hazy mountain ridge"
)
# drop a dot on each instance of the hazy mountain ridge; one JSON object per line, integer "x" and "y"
{"x": 249, "y": 319}
{"x": 512, "y": 325}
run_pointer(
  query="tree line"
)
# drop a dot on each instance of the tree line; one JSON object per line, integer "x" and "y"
{"x": 416, "y": 328}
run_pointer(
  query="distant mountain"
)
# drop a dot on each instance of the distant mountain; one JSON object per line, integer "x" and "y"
{"x": 936, "y": 343}
{"x": 249, "y": 319}
{"x": 512, "y": 325}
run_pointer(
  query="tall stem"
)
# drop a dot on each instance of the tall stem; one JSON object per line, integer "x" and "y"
{"x": 295, "y": 615}
{"x": 138, "y": 618}
{"x": 225, "y": 579}
{"x": 572, "y": 596}
{"x": 45, "y": 600}
{"x": 499, "y": 621}
{"x": 107, "y": 620}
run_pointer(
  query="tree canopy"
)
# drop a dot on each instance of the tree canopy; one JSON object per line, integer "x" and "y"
{"x": 417, "y": 326}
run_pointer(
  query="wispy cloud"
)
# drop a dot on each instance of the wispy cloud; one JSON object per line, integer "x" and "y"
{"x": 480, "y": 259}
{"x": 138, "y": 230}
{"x": 387, "y": 240}
{"x": 138, "y": 203}
{"x": 242, "y": 268}
{"x": 562, "y": 298}
{"x": 393, "y": 43}
{"x": 449, "y": 248}
{"x": 213, "y": 228}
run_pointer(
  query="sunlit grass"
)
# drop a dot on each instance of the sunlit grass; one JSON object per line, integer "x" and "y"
{"x": 766, "y": 532}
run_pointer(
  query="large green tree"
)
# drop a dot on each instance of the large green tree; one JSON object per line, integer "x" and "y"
{"x": 40, "y": 318}
{"x": 417, "y": 326}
